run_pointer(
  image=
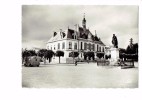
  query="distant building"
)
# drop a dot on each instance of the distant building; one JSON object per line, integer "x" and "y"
{"x": 36, "y": 49}
{"x": 79, "y": 40}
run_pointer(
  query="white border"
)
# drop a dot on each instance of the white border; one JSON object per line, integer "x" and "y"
{"x": 10, "y": 72}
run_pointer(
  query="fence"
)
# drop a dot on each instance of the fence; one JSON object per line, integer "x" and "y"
{"x": 127, "y": 64}
{"x": 124, "y": 64}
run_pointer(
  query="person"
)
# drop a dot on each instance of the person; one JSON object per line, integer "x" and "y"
{"x": 114, "y": 41}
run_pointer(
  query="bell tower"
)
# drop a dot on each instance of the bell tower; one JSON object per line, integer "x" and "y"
{"x": 84, "y": 22}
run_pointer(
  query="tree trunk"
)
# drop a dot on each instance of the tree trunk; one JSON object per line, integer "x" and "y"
{"x": 49, "y": 60}
{"x": 59, "y": 59}
{"x": 44, "y": 61}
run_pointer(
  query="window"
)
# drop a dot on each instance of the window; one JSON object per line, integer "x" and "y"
{"x": 100, "y": 49}
{"x": 103, "y": 49}
{"x": 70, "y": 45}
{"x": 75, "y": 46}
{"x": 92, "y": 47}
{"x": 63, "y": 45}
{"x": 58, "y": 45}
{"x": 97, "y": 47}
{"x": 81, "y": 46}
{"x": 85, "y": 46}
{"x": 54, "y": 47}
{"x": 89, "y": 46}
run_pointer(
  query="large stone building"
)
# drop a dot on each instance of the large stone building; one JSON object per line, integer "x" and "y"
{"x": 79, "y": 40}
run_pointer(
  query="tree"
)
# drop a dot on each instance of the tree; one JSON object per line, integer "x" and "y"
{"x": 73, "y": 54}
{"x": 41, "y": 52}
{"x": 122, "y": 53}
{"x": 136, "y": 51}
{"x": 49, "y": 54}
{"x": 59, "y": 54}
{"x": 100, "y": 55}
{"x": 27, "y": 53}
{"x": 89, "y": 54}
{"x": 132, "y": 51}
{"x": 136, "y": 48}
{"x": 107, "y": 56}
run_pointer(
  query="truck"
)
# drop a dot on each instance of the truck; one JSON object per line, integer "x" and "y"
{"x": 32, "y": 61}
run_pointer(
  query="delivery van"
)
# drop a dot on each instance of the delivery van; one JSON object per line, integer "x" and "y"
{"x": 32, "y": 61}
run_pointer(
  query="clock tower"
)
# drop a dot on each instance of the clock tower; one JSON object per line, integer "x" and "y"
{"x": 84, "y": 22}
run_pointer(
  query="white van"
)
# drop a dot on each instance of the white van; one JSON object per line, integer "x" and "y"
{"x": 32, "y": 61}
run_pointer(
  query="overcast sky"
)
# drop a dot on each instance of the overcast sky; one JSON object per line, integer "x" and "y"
{"x": 40, "y": 21}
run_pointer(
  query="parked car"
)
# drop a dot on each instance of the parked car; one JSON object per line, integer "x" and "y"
{"x": 32, "y": 61}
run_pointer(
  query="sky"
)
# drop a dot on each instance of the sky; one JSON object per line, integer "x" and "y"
{"x": 40, "y": 21}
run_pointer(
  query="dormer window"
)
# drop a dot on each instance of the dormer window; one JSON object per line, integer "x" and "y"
{"x": 64, "y": 35}
{"x": 54, "y": 34}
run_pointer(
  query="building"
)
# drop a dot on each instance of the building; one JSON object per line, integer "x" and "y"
{"x": 79, "y": 40}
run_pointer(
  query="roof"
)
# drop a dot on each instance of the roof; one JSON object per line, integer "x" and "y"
{"x": 69, "y": 34}
{"x": 58, "y": 36}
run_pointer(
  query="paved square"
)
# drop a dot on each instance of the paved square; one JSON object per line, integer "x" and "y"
{"x": 80, "y": 76}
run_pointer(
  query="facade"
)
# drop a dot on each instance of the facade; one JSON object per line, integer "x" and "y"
{"x": 80, "y": 40}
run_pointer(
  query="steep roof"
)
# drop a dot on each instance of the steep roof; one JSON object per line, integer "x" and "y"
{"x": 58, "y": 36}
{"x": 69, "y": 34}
